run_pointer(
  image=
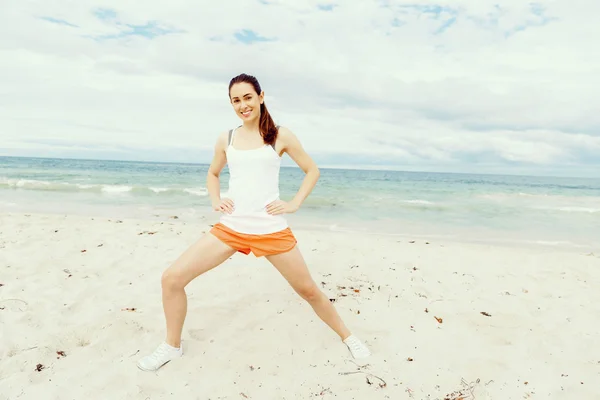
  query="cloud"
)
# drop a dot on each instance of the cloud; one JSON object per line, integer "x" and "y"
{"x": 149, "y": 30}
{"x": 326, "y": 7}
{"x": 248, "y": 36}
{"x": 456, "y": 85}
{"x": 106, "y": 14}
{"x": 58, "y": 21}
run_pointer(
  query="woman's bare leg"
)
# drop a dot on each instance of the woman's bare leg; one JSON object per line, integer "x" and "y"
{"x": 293, "y": 268}
{"x": 204, "y": 255}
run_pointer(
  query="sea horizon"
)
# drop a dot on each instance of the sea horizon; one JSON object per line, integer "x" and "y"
{"x": 359, "y": 167}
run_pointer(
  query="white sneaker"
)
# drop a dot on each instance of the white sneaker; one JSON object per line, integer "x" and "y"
{"x": 356, "y": 347}
{"x": 162, "y": 355}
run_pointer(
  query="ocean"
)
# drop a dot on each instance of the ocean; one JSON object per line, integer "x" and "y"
{"x": 489, "y": 208}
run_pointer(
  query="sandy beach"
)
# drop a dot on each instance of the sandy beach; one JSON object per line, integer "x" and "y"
{"x": 80, "y": 303}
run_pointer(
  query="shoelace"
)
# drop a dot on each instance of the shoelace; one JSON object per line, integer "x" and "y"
{"x": 354, "y": 344}
{"x": 160, "y": 351}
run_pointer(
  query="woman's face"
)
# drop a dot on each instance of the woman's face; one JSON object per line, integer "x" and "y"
{"x": 246, "y": 102}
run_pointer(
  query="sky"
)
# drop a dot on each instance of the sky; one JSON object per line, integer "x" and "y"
{"x": 451, "y": 86}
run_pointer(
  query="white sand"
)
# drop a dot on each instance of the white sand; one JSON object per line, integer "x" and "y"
{"x": 248, "y": 335}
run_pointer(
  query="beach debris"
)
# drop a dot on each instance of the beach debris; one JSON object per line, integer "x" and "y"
{"x": 354, "y": 266}
{"x": 465, "y": 393}
{"x": 147, "y": 233}
{"x": 371, "y": 379}
{"x": 347, "y": 290}
{"x": 332, "y": 300}
{"x": 131, "y": 309}
{"x": 426, "y": 310}
{"x": 412, "y": 241}
{"x": 55, "y": 230}
{"x": 19, "y": 300}
{"x": 382, "y": 383}
{"x": 409, "y": 359}
{"x": 324, "y": 392}
{"x": 440, "y": 320}
{"x": 1, "y": 284}
{"x": 61, "y": 354}
{"x": 486, "y": 314}
{"x": 66, "y": 271}
{"x": 426, "y": 242}
{"x": 39, "y": 367}
{"x": 415, "y": 268}
{"x": 174, "y": 217}
{"x": 83, "y": 251}
{"x": 244, "y": 395}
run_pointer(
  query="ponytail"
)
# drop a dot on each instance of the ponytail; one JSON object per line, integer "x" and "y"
{"x": 267, "y": 127}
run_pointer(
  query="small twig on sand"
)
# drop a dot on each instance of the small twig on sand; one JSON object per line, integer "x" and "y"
{"x": 467, "y": 390}
{"x": 359, "y": 366}
{"x": 352, "y": 373}
{"x": 134, "y": 353}
{"x": 369, "y": 375}
{"x": 23, "y": 301}
{"x": 471, "y": 386}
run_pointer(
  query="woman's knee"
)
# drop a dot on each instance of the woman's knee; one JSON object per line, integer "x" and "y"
{"x": 309, "y": 292}
{"x": 172, "y": 280}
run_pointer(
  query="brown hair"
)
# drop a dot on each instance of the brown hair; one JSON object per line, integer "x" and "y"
{"x": 266, "y": 125}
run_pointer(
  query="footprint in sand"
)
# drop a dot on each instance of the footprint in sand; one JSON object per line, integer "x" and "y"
{"x": 197, "y": 334}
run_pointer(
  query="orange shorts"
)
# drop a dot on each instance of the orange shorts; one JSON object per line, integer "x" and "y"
{"x": 261, "y": 245}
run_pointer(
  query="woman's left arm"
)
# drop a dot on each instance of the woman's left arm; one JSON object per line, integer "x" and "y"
{"x": 292, "y": 146}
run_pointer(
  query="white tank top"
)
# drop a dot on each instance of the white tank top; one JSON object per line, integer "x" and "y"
{"x": 253, "y": 183}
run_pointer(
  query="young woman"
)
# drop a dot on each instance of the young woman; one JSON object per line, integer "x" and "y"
{"x": 252, "y": 219}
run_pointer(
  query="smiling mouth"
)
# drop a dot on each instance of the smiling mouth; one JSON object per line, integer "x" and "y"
{"x": 247, "y": 113}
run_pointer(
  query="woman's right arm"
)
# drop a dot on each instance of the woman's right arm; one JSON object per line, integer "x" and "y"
{"x": 212, "y": 177}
